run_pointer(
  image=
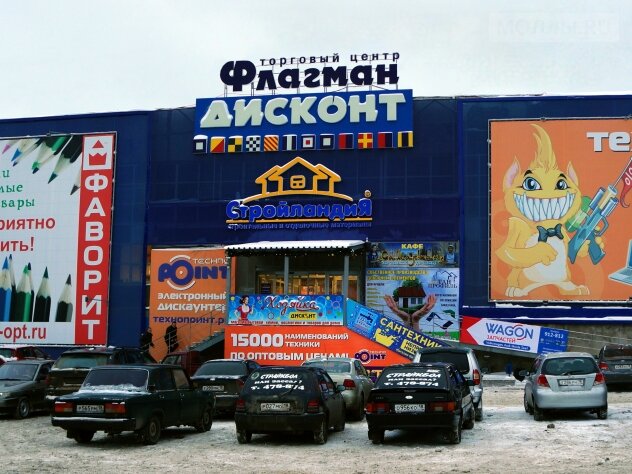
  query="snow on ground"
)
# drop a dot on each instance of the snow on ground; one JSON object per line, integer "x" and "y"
{"x": 507, "y": 440}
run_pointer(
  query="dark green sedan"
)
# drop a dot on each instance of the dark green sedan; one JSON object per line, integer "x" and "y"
{"x": 142, "y": 398}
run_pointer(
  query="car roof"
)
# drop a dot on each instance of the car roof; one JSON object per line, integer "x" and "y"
{"x": 29, "y": 361}
{"x": 15, "y": 346}
{"x": 324, "y": 359}
{"x": 422, "y": 364}
{"x": 432, "y": 350}
{"x": 612, "y": 345}
{"x": 96, "y": 350}
{"x": 149, "y": 365}
{"x": 558, "y": 355}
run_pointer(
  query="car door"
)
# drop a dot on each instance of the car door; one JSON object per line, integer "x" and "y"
{"x": 332, "y": 398}
{"x": 363, "y": 377}
{"x": 530, "y": 379}
{"x": 189, "y": 399}
{"x": 38, "y": 398}
{"x": 167, "y": 396}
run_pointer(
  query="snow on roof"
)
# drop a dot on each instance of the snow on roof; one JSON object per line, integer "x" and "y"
{"x": 297, "y": 245}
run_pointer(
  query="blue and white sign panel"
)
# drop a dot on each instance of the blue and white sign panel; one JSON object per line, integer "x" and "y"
{"x": 317, "y": 121}
{"x": 513, "y": 336}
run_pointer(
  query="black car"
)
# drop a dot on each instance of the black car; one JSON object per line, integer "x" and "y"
{"x": 290, "y": 400}
{"x": 225, "y": 378}
{"x": 431, "y": 395}
{"x": 139, "y": 398}
{"x": 70, "y": 369}
{"x": 23, "y": 386}
{"x": 615, "y": 361}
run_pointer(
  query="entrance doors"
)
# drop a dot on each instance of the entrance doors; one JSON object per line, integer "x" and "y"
{"x": 306, "y": 283}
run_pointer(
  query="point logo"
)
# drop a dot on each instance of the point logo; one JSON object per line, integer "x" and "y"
{"x": 365, "y": 355}
{"x": 181, "y": 275}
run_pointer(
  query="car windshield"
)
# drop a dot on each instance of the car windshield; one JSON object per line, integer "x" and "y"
{"x": 17, "y": 371}
{"x": 279, "y": 382}
{"x": 123, "y": 379}
{"x": 569, "y": 366}
{"x": 80, "y": 361}
{"x": 331, "y": 366}
{"x": 222, "y": 368}
{"x": 621, "y": 352}
{"x": 412, "y": 377}
{"x": 4, "y": 352}
{"x": 457, "y": 358}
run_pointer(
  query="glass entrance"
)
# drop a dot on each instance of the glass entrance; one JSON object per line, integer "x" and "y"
{"x": 306, "y": 283}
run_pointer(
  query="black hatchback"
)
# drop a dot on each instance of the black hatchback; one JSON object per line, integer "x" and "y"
{"x": 420, "y": 396}
{"x": 289, "y": 400}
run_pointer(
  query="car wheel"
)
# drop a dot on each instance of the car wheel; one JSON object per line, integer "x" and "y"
{"x": 320, "y": 435}
{"x": 469, "y": 423}
{"x": 454, "y": 435}
{"x": 538, "y": 414}
{"x": 341, "y": 426}
{"x": 151, "y": 431}
{"x": 478, "y": 410}
{"x": 206, "y": 421}
{"x": 358, "y": 415}
{"x": 23, "y": 409}
{"x": 602, "y": 413}
{"x": 244, "y": 436}
{"x": 527, "y": 407}
{"x": 83, "y": 436}
{"x": 376, "y": 436}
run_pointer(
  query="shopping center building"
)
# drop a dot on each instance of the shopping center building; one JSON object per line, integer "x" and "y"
{"x": 366, "y": 221}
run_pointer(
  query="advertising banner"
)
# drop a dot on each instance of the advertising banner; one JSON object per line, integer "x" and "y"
{"x": 292, "y": 345}
{"x": 417, "y": 284}
{"x": 286, "y": 309}
{"x": 315, "y": 121}
{"x": 559, "y": 209}
{"x": 55, "y": 233}
{"x": 387, "y": 332}
{"x": 513, "y": 336}
{"x": 188, "y": 296}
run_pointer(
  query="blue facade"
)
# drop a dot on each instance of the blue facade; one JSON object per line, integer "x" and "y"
{"x": 168, "y": 196}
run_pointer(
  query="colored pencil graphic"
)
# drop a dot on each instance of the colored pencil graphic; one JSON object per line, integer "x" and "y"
{"x": 68, "y": 155}
{"x": 13, "y": 288}
{"x": 49, "y": 148}
{"x": 8, "y": 145}
{"x": 6, "y": 292}
{"x": 77, "y": 185}
{"x": 64, "y": 305}
{"x": 22, "y": 310}
{"x": 20, "y": 148}
{"x": 41, "y": 314}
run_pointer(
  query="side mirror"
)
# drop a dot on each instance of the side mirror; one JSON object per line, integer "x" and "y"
{"x": 519, "y": 374}
{"x": 341, "y": 388}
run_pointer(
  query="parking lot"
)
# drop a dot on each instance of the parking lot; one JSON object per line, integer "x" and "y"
{"x": 506, "y": 440}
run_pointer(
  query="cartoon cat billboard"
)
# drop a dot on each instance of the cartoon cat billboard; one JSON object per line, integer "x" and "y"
{"x": 544, "y": 223}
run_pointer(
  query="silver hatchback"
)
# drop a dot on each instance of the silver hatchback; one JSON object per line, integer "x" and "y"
{"x": 351, "y": 373}
{"x": 565, "y": 381}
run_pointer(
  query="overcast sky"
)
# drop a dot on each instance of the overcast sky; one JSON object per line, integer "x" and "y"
{"x": 79, "y": 56}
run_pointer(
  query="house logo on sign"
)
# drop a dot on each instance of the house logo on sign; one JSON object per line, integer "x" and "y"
{"x": 298, "y": 177}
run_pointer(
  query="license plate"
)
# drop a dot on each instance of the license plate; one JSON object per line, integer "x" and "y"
{"x": 213, "y": 388}
{"x": 275, "y": 407}
{"x": 571, "y": 382}
{"x": 410, "y": 408}
{"x": 622, "y": 367}
{"x": 89, "y": 408}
